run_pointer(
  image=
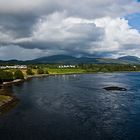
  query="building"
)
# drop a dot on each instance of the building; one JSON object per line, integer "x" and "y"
{"x": 66, "y": 66}
{"x": 14, "y": 67}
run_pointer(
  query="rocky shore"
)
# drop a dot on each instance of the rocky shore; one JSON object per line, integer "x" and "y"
{"x": 7, "y": 103}
{"x": 7, "y": 100}
{"x": 13, "y": 82}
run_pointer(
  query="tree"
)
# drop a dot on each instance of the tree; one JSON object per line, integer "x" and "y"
{"x": 40, "y": 71}
{"x": 46, "y": 72}
{"x": 1, "y": 76}
{"x": 5, "y": 76}
{"x": 104, "y": 69}
{"x": 29, "y": 72}
{"x": 9, "y": 76}
{"x": 1, "y": 81}
{"x": 18, "y": 74}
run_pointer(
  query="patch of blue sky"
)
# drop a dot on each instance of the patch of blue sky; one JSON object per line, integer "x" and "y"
{"x": 134, "y": 20}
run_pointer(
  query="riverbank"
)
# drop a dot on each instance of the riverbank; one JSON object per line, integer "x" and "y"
{"x": 55, "y": 73}
{"x": 14, "y": 81}
{"x": 7, "y": 100}
{"x": 35, "y": 76}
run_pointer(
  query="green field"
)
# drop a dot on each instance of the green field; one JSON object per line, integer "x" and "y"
{"x": 65, "y": 70}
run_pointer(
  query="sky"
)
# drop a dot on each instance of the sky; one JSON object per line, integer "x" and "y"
{"x": 95, "y": 28}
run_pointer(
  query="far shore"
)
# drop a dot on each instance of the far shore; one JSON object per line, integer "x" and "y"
{"x": 53, "y": 74}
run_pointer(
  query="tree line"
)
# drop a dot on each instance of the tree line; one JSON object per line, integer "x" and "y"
{"x": 108, "y": 67}
{"x": 7, "y": 76}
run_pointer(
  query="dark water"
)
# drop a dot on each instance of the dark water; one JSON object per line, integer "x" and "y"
{"x": 75, "y": 107}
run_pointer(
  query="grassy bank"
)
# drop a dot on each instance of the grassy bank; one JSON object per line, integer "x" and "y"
{"x": 5, "y": 99}
{"x": 65, "y": 71}
{"x": 7, "y": 102}
{"x": 54, "y": 71}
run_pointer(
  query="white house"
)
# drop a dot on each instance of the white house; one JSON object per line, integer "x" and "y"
{"x": 66, "y": 66}
{"x": 14, "y": 67}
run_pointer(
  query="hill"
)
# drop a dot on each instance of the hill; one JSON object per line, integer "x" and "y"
{"x": 66, "y": 59}
{"x": 130, "y": 59}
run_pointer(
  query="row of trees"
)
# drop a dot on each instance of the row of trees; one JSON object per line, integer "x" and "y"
{"x": 6, "y": 76}
{"x": 108, "y": 67}
{"x": 39, "y": 71}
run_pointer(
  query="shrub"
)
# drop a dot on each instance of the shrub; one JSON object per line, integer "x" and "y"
{"x": 9, "y": 76}
{"x": 40, "y": 71}
{"x": 18, "y": 74}
{"x": 46, "y": 72}
{"x": 5, "y": 76}
{"x": 29, "y": 72}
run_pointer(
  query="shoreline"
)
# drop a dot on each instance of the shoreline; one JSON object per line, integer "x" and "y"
{"x": 7, "y": 104}
{"x": 7, "y": 100}
{"x": 14, "y": 81}
{"x": 54, "y": 74}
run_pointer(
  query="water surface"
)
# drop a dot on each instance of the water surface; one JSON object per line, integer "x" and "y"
{"x": 75, "y": 107}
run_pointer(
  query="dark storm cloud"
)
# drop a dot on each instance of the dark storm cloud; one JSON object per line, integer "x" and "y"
{"x": 20, "y": 25}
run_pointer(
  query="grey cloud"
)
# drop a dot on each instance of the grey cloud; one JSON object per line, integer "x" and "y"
{"x": 55, "y": 27}
{"x": 19, "y": 25}
{"x": 66, "y": 36}
{"x": 8, "y": 52}
{"x": 81, "y": 8}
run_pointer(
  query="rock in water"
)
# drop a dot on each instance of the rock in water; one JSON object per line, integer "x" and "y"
{"x": 115, "y": 88}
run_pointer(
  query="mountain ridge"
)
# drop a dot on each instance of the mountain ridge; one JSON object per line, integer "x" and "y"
{"x": 71, "y": 59}
{"x": 67, "y": 59}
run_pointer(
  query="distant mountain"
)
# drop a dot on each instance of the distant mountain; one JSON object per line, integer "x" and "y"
{"x": 11, "y": 62}
{"x": 130, "y": 59}
{"x": 66, "y": 59}
{"x": 55, "y": 59}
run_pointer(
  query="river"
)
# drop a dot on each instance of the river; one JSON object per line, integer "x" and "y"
{"x": 75, "y": 107}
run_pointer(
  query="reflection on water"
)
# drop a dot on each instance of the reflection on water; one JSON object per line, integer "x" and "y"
{"x": 75, "y": 107}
